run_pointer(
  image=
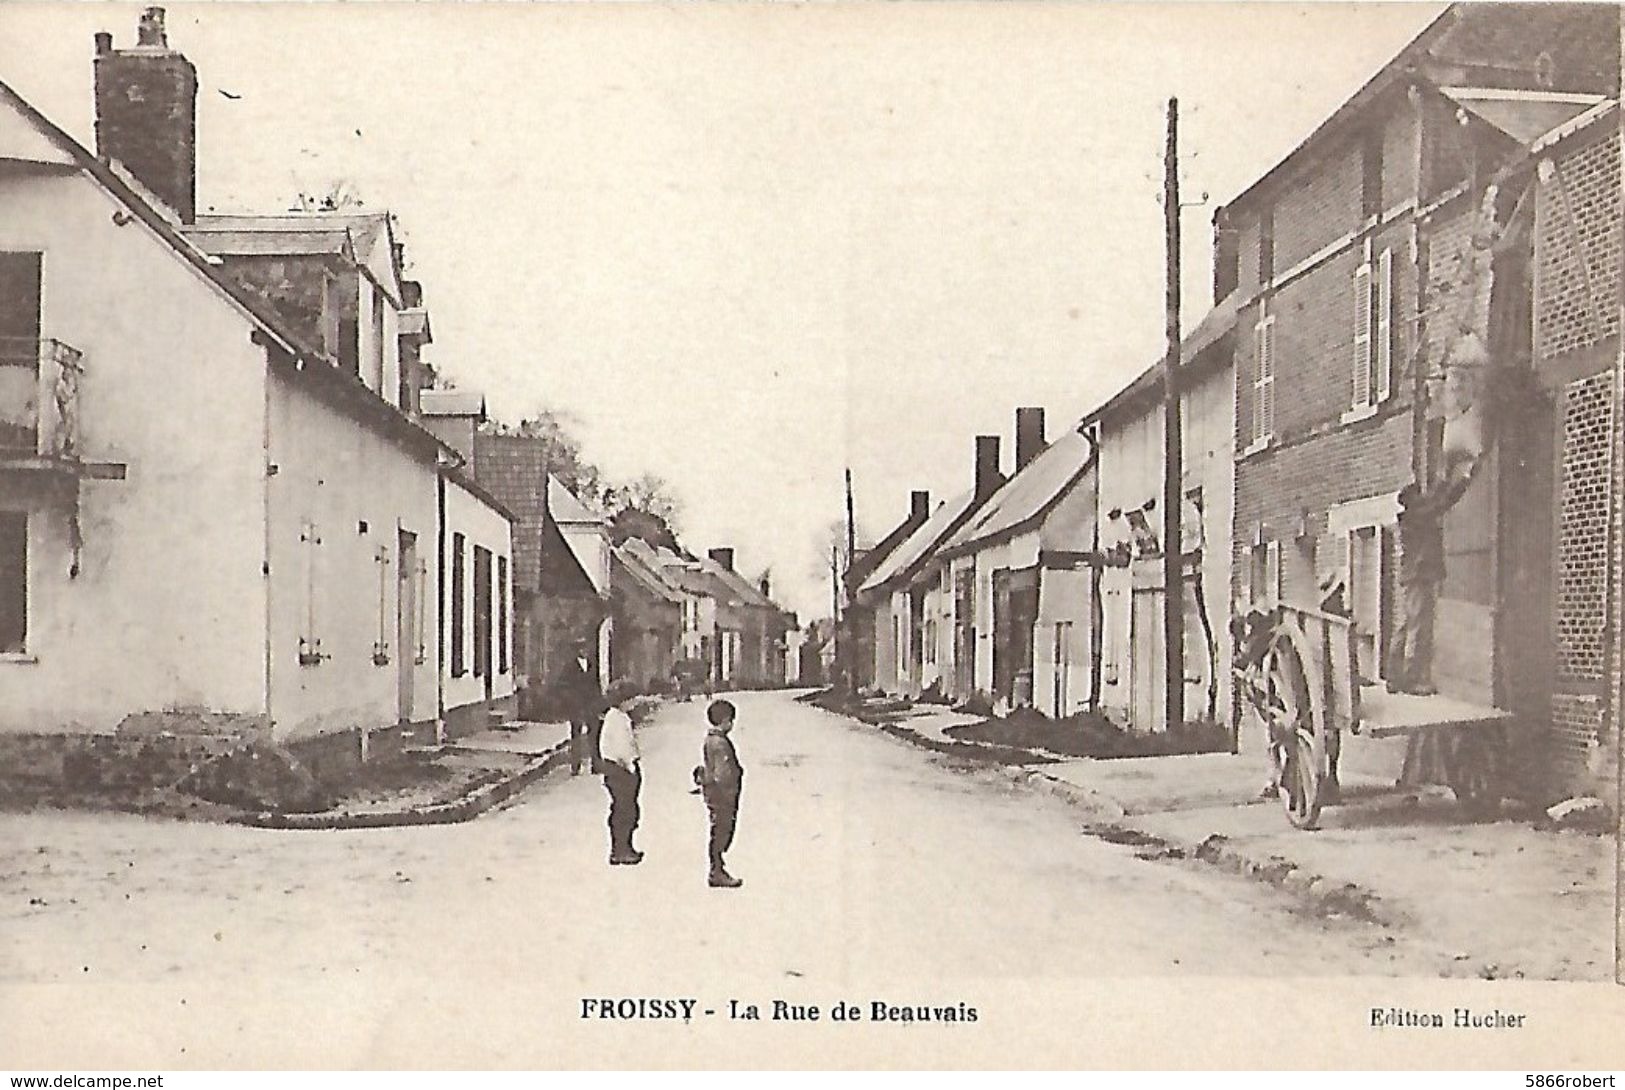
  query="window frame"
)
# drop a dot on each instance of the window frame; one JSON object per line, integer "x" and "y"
{"x": 458, "y": 610}
{"x": 24, "y": 645}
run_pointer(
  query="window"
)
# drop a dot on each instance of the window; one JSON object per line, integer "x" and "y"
{"x": 1265, "y": 574}
{"x": 1384, "y": 306}
{"x": 13, "y": 582}
{"x": 458, "y": 666}
{"x": 502, "y": 614}
{"x": 1266, "y": 246}
{"x": 1373, "y": 330}
{"x": 1365, "y": 595}
{"x": 1263, "y": 380}
{"x": 376, "y": 379}
{"x": 482, "y": 611}
{"x": 1371, "y": 175}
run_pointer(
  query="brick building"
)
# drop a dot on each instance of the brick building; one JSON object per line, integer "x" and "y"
{"x": 1365, "y": 261}
{"x": 1577, "y": 299}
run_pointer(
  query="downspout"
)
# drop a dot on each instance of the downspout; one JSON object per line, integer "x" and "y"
{"x": 1097, "y": 613}
{"x": 269, "y": 469}
{"x": 1418, "y": 354}
{"x": 440, "y": 609}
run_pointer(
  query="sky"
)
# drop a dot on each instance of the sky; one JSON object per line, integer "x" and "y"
{"x": 748, "y": 246}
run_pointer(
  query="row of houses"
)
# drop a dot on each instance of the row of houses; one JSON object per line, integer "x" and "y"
{"x": 1431, "y": 277}
{"x": 228, "y": 506}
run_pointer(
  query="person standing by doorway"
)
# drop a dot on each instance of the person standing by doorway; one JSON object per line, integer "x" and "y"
{"x": 1421, "y": 575}
{"x": 582, "y": 695}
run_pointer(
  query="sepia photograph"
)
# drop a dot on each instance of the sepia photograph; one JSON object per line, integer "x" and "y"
{"x": 1136, "y": 488}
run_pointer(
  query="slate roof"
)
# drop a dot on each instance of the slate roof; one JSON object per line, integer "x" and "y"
{"x": 1027, "y": 496}
{"x": 566, "y": 508}
{"x": 644, "y": 575}
{"x": 365, "y": 237}
{"x": 512, "y": 468}
{"x": 922, "y": 544}
{"x": 743, "y": 591}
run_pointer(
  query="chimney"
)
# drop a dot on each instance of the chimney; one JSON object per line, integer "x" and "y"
{"x": 1029, "y": 435}
{"x": 724, "y": 557}
{"x": 987, "y": 466}
{"x": 919, "y": 505}
{"x": 146, "y": 113}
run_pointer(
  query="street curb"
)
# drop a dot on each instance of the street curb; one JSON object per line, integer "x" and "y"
{"x": 470, "y": 806}
{"x": 1111, "y": 822}
{"x": 1316, "y": 892}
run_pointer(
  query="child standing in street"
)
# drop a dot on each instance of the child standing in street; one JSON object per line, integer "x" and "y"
{"x": 720, "y": 779}
{"x": 623, "y": 774}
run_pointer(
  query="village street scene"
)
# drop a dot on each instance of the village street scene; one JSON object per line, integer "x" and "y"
{"x": 420, "y": 505}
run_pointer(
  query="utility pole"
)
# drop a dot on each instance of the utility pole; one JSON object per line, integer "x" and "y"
{"x": 850, "y": 668}
{"x": 835, "y": 606}
{"x": 1173, "y": 559}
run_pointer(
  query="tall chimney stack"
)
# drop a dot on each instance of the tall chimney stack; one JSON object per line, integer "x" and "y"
{"x": 146, "y": 113}
{"x": 1029, "y": 435}
{"x": 919, "y": 505}
{"x": 988, "y": 478}
{"x": 723, "y": 557}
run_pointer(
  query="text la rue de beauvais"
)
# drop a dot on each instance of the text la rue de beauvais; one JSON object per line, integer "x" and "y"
{"x": 779, "y": 1010}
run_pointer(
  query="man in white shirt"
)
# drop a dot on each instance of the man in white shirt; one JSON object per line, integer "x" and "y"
{"x": 623, "y": 776}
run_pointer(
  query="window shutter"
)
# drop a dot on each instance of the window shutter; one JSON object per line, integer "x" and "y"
{"x": 1244, "y": 580}
{"x": 1362, "y": 336}
{"x": 1264, "y": 382}
{"x": 1385, "y": 325}
{"x": 1272, "y": 570}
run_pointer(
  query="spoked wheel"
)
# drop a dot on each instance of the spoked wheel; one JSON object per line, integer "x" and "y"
{"x": 1299, "y": 754}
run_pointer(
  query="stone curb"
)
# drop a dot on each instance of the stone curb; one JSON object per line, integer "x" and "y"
{"x": 1111, "y": 822}
{"x": 1316, "y": 892}
{"x": 470, "y": 806}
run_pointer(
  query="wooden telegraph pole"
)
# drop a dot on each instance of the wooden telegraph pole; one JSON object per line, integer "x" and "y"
{"x": 1173, "y": 577}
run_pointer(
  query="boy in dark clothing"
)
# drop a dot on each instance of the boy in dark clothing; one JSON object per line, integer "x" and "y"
{"x": 1421, "y": 574}
{"x": 720, "y": 779}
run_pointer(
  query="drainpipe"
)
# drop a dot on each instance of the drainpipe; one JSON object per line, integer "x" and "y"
{"x": 440, "y": 609}
{"x": 1419, "y": 250}
{"x": 270, "y": 471}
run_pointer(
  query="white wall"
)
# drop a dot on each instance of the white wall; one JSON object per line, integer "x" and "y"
{"x": 482, "y": 526}
{"x": 168, "y": 609}
{"x": 1131, "y": 470}
{"x": 336, "y": 474}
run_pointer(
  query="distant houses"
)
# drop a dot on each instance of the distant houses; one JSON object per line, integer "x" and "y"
{"x": 1430, "y": 279}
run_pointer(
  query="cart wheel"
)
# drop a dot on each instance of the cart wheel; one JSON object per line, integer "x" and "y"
{"x": 1473, "y": 779}
{"x": 1301, "y": 759}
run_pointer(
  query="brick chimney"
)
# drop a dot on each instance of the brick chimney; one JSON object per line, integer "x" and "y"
{"x": 146, "y": 113}
{"x": 1029, "y": 435}
{"x": 723, "y": 557}
{"x": 988, "y": 478}
{"x": 919, "y": 505}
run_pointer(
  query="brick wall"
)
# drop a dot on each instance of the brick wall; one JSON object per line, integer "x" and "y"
{"x": 1578, "y": 240}
{"x": 1582, "y": 549}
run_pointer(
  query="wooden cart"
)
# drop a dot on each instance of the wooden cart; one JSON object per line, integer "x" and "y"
{"x": 1303, "y": 682}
